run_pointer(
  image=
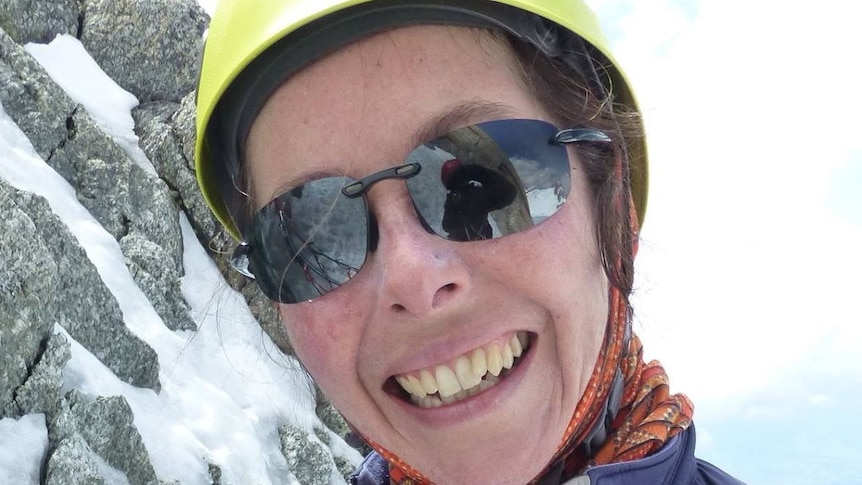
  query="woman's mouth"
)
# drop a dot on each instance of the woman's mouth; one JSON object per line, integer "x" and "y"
{"x": 465, "y": 376}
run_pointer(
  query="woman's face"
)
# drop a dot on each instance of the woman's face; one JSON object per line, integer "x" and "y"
{"x": 422, "y": 306}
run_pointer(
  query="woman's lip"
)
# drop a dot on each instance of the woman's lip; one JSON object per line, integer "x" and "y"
{"x": 474, "y": 406}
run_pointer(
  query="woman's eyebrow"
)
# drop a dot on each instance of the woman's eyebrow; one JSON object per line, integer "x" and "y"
{"x": 463, "y": 114}
{"x": 466, "y": 113}
{"x": 300, "y": 179}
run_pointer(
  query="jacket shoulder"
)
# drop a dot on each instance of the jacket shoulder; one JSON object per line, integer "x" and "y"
{"x": 673, "y": 464}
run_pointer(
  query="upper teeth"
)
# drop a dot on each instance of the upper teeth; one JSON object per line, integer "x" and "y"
{"x": 471, "y": 372}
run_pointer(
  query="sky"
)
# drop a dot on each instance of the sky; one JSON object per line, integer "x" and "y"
{"x": 747, "y": 272}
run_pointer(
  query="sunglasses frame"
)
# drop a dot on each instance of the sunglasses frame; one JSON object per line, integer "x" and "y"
{"x": 239, "y": 259}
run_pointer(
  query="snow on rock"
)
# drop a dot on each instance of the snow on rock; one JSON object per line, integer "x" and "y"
{"x": 108, "y": 103}
{"x": 99, "y": 267}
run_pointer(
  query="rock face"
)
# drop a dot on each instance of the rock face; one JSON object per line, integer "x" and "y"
{"x": 39, "y": 21}
{"x": 50, "y": 279}
{"x": 51, "y": 292}
{"x": 167, "y": 135}
{"x": 149, "y": 47}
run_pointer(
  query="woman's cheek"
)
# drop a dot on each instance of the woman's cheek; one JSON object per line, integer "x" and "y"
{"x": 321, "y": 344}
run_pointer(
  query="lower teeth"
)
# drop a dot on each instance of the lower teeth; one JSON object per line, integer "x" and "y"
{"x": 435, "y": 400}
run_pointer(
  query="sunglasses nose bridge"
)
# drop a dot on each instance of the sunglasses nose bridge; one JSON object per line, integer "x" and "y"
{"x": 391, "y": 205}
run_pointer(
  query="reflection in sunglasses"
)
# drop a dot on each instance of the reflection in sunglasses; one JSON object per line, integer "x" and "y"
{"x": 478, "y": 182}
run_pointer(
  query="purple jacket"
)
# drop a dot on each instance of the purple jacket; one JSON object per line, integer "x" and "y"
{"x": 674, "y": 464}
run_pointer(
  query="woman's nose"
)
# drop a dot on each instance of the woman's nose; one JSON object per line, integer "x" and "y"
{"x": 420, "y": 272}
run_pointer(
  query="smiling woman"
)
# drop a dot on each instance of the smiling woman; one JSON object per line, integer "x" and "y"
{"x": 442, "y": 199}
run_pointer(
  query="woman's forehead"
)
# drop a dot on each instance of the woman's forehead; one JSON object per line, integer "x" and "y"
{"x": 404, "y": 57}
{"x": 381, "y": 96}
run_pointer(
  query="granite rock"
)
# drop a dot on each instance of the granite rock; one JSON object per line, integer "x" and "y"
{"x": 39, "y": 20}
{"x": 26, "y": 283}
{"x": 73, "y": 463}
{"x": 167, "y": 136}
{"x": 53, "y": 280}
{"x": 40, "y": 108}
{"x": 150, "y": 47}
{"x": 162, "y": 128}
{"x": 308, "y": 459}
{"x": 159, "y": 278}
{"x": 107, "y": 425}
{"x": 41, "y": 392}
{"x": 120, "y": 194}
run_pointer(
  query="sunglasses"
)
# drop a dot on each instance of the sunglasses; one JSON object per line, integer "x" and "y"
{"x": 478, "y": 182}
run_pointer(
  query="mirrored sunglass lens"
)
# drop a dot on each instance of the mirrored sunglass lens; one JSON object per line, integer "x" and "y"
{"x": 309, "y": 241}
{"x": 490, "y": 180}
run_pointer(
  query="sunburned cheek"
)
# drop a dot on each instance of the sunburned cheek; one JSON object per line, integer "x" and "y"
{"x": 322, "y": 345}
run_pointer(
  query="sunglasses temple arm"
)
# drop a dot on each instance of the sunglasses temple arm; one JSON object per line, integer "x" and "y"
{"x": 239, "y": 260}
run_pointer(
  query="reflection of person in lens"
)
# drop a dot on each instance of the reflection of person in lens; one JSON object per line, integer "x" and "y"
{"x": 473, "y": 192}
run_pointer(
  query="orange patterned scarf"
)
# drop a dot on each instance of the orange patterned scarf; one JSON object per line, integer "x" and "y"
{"x": 648, "y": 414}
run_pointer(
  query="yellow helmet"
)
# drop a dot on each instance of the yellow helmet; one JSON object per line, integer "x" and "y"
{"x": 255, "y": 45}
